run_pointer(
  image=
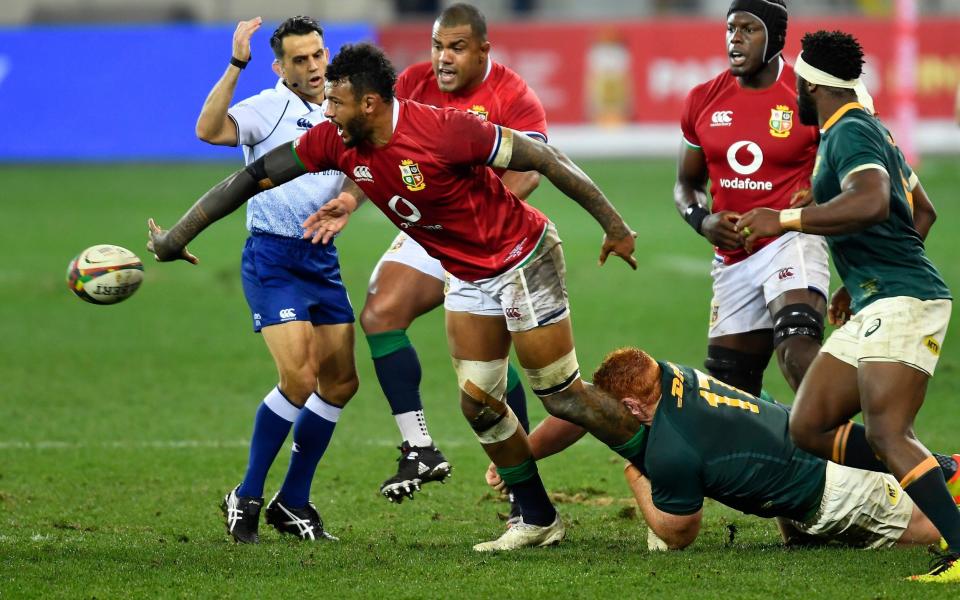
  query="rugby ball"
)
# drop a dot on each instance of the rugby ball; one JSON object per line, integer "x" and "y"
{"x": 104, "y": 274}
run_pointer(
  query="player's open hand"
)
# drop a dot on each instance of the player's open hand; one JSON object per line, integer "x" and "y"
{"x": 622, "y": 247}
{"x": 242, "y": 35}
{"x": 839, "y": 311}
{"x": 493, "y": 478}
{"x": 757, "y": 224}
{"x": 158, "y": 243}
{"x": 330, "y": 219}
{"x": 719, "y": 230}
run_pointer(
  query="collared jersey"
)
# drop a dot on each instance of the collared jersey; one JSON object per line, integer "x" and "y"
{"x": 757, "y": 152}
{"x": 503, "y": 97}
{"x": 273, "y": 117}
{"x": 708, "y": 439}
{"x": 431, "y": 180}
{"x": 886, "y": 259}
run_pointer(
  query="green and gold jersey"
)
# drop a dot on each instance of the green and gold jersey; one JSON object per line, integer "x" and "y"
{"x": 886, "y": 259}
{"x": 708, "y": 439}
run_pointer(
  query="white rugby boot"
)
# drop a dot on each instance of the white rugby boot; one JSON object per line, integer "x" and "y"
{"x": 524, "y": 535}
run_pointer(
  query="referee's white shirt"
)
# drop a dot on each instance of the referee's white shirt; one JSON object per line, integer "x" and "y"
{"x": 271, "y": 118}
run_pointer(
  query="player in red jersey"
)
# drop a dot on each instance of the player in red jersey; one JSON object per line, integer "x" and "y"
{"x": 408, "y": 282}
{"x": 740, "y": 133}
{"x": 427, "y": 170}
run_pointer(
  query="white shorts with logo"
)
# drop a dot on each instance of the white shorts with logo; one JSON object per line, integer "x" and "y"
{"x": 742, "y": 291}
{"x": 407, "y": 251}
{"x": 531, "y": 295}
{"x": 860, "y": 508}
{"x": 899, "y": 329}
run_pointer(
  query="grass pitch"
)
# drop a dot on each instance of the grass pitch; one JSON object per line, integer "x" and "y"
{"x": 121, "y": 427}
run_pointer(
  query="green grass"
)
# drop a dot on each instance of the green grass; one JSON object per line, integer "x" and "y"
{"x": 122, "y": 427}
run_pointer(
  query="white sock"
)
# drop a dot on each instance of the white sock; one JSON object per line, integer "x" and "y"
{"x": 413, "y": 428}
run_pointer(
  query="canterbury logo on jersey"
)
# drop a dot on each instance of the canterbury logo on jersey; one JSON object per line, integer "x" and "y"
{"x": 362, "y": 173}
{"x": 721, "y": 118}
{"x": 288, "y": 313}
{"x": 304, "y": 124}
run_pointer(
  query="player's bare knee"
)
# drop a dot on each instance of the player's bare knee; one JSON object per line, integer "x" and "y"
{"x": 297, "y": 383}
{"x": 885, "y": 438}
{"x": 803, "y": 432}
{"x": 379, "y": 315}
{"x": 340, "y": 392}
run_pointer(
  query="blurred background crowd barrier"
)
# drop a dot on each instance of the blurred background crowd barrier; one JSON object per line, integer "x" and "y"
{"x": 101, "y": 80}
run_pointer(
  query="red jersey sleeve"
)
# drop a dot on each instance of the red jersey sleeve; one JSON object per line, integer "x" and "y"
{"x": 688, "y": 117}
{"x": 477, "y": 142}
{"x": 319, "y": 149}
{"x": 526, "y": 115}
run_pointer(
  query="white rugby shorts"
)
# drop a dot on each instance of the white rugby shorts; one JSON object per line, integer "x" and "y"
{"x": 860, "y": 508}
{"x": 531, "y": 295}
{"x": 742, "y": 291}
{"x": 407, "y": 251}
{"x": 899, "y": 329}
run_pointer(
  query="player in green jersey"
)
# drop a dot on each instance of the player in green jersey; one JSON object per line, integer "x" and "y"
{"x": 894, "y": 307}
{"x": 706, "y": 439}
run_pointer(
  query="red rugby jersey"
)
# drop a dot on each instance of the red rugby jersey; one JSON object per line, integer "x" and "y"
{"x": 757, "y": 152}
{"x": 431, "y": 180}
{"x": 502, "y": 98}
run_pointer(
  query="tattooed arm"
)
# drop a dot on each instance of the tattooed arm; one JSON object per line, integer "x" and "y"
{"x": 272, "y": 169}
{"x": 531, "y": 155}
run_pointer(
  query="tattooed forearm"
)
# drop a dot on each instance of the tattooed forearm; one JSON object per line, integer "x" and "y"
{"x": 602, "y": 415}
{"x": 220, "y": 201}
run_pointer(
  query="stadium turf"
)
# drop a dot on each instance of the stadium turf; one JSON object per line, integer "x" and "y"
{"x": 122, "y": 427}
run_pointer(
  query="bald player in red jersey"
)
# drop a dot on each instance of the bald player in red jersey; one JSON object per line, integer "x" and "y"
{"x": 427, "y": 170}
{"x": 407, "y": 282}
{"x": 741, "y": 133}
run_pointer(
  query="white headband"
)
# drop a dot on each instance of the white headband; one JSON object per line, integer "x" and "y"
{"x": 819, "y": 77}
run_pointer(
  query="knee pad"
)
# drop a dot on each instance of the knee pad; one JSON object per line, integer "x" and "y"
{"x": 555, "y": 377}
{"x": 481, "y": 379}
{"x": 797, "y": 319}
{"x": 736, "y": 368}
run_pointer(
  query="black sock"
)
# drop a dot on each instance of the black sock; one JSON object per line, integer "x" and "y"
{"x": 527, "y": 489}
{"x": 930, "y": 494}
{"x": 857, "y": 453}
{"x": 517, "y": 397}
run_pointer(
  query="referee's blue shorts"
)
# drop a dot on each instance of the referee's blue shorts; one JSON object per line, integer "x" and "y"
{"x": 290, "y": 279}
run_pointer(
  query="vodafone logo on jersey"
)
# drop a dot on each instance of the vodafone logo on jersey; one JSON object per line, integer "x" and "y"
{"x": 745, "y": 158}
{"x": 721, "y": 118}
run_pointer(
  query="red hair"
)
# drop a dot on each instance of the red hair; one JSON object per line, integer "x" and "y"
{"x": 629, "y": 372}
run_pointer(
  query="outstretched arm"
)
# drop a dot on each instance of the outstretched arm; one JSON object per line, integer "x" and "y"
{"x": 276, "y": 167}
{"x": 531, "y": 155}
